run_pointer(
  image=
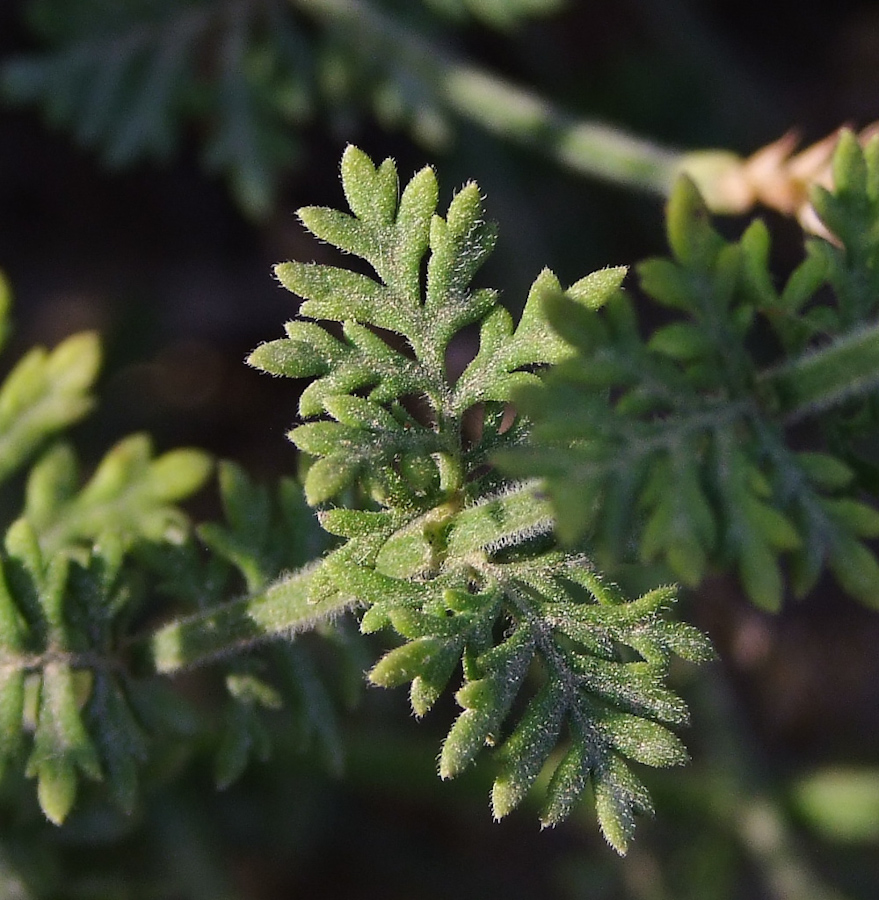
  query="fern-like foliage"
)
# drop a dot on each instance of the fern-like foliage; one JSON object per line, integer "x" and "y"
{"x": 131, "y": 80}
{"x": 264, "y": 534}
{"x": 59, "y": 623}
{"x": 690, "y": 444}
{"x": 125, "y": 78}
{"x": 69, "y": 706}
{"x": 66, "y": 601}
{"x": 457, "y": 563}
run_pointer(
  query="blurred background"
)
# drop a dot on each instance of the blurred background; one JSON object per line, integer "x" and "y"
{"x": 152, "y": 155}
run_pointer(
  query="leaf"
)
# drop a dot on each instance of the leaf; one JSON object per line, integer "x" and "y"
{"x": 527, "y": 749}
{"x": 245, "y": 541}
{"x": 61, "y": 745}
{"x": 243, "y": 735}
{"x": 45, "y": 393}
{"x": 618, "y": 798}
{"x": 131, "y": 494}
{"x": 11, "y": 711}
{"x": 504, "y": 352}
{"x": 120, "y": 739}
{"x": 691, "y": 237}
{"x": 382, "y": 445}
{"x": 857, "y": 570}
{"x": 462, "y": 565}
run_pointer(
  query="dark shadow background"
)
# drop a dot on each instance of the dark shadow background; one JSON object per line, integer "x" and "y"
{"x": 178, "y": 282}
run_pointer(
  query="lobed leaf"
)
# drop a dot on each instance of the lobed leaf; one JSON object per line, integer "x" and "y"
{"x": 131, "y": 493}
{"x": 45, "y": 393}
{"x": 459, "y": 564}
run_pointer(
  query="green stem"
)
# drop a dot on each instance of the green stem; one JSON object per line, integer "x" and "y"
{"x": 767, "y": 837}
{"x": 287, "y": 607}
{"x": 494, "y": 104}
{"x": 587, "y": 147}
{"x": 744, "y": 802}
{"x": 849, "y": 367}
{"x": 281, "y": 610}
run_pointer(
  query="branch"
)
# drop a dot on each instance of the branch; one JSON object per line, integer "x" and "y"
{"x": 282, "y": 609}
{"x": 846, "y": 368}
{"x": 494, "y": 104}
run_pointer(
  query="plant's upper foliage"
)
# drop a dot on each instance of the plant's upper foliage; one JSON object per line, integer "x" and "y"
{"x": 679, "y": 441}
{"x": 363, "y": 380}
{"x": 457, "y": 564}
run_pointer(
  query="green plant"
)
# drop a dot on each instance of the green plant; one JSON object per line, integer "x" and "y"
{"x": 132, "y": 81}
{"x": 683, "y": 443}
{"x": 676, "y": 444}
{"x": 129, "y": 79}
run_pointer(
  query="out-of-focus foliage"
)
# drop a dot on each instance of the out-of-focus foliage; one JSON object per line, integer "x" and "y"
{"x": 676, "y": 443}
{"x": 135, "y": 80}
{"x": 83, "y": 566}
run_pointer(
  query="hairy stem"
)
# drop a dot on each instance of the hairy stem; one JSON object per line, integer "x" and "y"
{"x": 494, "y": 104}
{"x": 280, "y": 610}
{"x": 846, "y": 368}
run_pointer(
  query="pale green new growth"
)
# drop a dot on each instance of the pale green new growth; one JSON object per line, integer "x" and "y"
{"x": 130, "y": 494}
{"x": 45, "y": 393}
{"x": 458, "y": 563}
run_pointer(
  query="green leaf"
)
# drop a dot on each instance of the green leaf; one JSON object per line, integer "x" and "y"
{"x": 618, "y": 798}
{"x": 11, "y": 711}
{"x": 692, "y": 239}
{"x": 856, "y": 569}
{"x": 371, "y": 191}
{"x": 61, "y": 745}
{"x": 825, "y": 471}
{"x": 405, "y": 663}
{"x": 760, "y": 574}
{"x": 45, "y": 393}
{"x": 527, "y": 749}
{"x": 566, "y": 786}
{"x": 131, "y": 493}
{"x": 642, "y": 740}
{"x": 243, "y": 736}
{"x": 462, "y": 565}
{"x": 119, "y": 737}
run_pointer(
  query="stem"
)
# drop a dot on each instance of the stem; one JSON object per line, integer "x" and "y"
{"x": 849, "y": 367}
{"x": 767, "y": 838}
{"x": 588, "y": 147}
{"x": 747, "y": 804}
{"x": 281, "y": 609}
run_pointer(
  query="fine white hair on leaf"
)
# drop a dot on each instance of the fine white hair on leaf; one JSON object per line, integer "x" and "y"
{"x": 508, "y": 490}
{"x": 520, "y": 535}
